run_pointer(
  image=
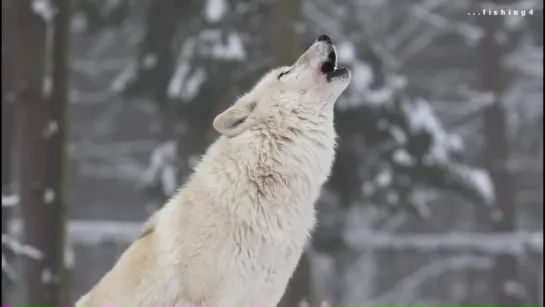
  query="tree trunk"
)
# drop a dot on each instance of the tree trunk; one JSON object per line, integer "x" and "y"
{"x": 493, "y": 81}
{"x": 162, "y": 20}
{"x": 56, "y": 290}
{"x": 285, "y": 44}
{"x": 27, "y": 58}
{"x": 285, "y": 37}
{"x": 41, "y": 132}
{"x": 7, "y": 150}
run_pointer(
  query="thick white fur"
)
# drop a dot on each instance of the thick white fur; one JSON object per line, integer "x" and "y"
{"x": 233, "y": 235}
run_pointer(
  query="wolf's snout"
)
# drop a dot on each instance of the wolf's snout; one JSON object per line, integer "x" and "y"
{"x": 329, "y": 65}
{"x": 323, "y": 57}
{"x": 324, "y": 38}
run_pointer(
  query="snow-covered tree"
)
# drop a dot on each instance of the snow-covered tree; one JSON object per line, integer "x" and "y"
{"x": 409, "y": 125}
{"x": 393, "y": 150}
{"x": 12, "y": 248}
{"x": 38, "y": 67}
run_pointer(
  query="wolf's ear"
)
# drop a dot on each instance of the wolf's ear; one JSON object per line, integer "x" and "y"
{"x": 237, "y": 118}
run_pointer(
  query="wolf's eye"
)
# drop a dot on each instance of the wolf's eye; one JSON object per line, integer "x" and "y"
{"x": 283, "y": 73}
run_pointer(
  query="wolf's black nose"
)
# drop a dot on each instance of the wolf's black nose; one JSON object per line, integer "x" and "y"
{"x": 324, "y": 38}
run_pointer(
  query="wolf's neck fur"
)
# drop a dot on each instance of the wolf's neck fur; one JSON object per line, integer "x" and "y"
{"x": 274, "y": 170}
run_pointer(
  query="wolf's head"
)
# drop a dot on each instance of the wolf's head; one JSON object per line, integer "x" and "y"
{"x": 308, "y": 88}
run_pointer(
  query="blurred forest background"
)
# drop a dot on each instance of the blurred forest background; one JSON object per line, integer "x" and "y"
{"x": 436, "y": 195}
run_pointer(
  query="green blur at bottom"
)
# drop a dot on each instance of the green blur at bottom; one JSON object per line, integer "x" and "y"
{"x": 271, "y": 306}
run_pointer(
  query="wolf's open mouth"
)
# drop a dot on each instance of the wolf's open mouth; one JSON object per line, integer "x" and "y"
{"x": 330, "y": 69}
{"x": 330, "y": 64}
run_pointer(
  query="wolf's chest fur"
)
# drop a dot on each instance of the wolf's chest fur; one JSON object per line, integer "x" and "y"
{"x": 264, "y": 259}
{"x": 262, "y": 216}
{"x": 288, "y": 219}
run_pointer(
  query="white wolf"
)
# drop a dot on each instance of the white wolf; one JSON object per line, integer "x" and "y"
{"x": 233, "y": 235}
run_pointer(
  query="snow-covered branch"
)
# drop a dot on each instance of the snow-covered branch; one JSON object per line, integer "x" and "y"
{"x": 10, "y": 200}
{"x": 407, "y": 289}
{"x": 93, "y": 232}
{"x": 11, "y": 246}
{"x": 510, "y": 243}
{"x": 471, "y": 32}
{"x": 518, "y": 5}
{"x": 162, "y": 169}
{"x": 96, "y": 232}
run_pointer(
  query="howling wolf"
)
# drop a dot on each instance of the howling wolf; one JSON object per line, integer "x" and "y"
{"x": 234, "y": 233}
